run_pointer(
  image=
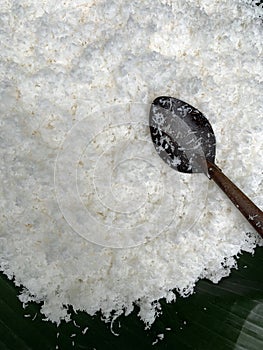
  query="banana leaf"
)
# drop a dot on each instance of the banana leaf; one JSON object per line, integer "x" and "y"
{"x": 227, "y": 315}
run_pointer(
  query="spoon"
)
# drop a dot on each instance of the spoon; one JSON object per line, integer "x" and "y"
{"x": 185, "y": 140}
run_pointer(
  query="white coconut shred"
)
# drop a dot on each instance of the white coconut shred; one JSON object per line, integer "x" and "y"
{"x": 118, "y": 227}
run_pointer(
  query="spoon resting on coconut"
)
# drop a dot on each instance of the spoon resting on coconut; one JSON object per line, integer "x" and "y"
{"x": 185, "y": 140}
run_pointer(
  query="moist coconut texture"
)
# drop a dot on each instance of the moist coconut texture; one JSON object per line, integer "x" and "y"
{"x": 90, "y": 215}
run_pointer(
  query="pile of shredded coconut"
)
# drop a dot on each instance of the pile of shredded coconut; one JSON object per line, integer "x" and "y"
{"x": 118, "y": 227}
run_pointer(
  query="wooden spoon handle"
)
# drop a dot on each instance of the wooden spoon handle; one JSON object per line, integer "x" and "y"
{"x": 250, "y": 211}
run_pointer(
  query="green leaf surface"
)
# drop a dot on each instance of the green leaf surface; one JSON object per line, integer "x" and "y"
{"x": 227, "y": 315}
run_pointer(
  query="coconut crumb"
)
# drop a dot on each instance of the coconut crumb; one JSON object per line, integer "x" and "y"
{"x": 159, "y": 337}
{"x": 85, "y": 330}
